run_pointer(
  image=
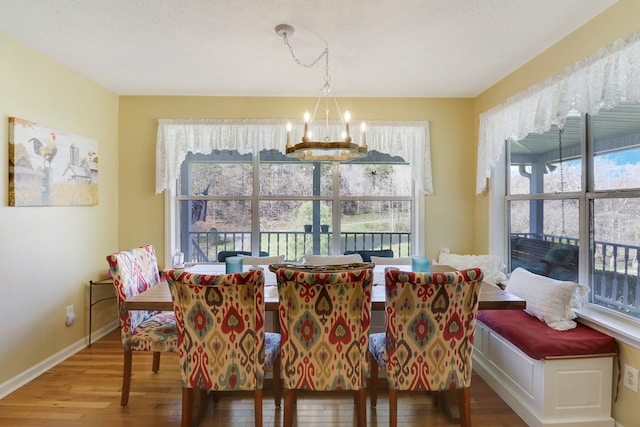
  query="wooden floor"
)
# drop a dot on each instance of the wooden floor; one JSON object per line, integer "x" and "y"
{"x": 85, "y": 391}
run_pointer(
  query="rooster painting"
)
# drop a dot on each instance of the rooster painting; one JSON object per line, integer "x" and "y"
{"x": 46, "y": 167}
{"x": 47, "y": 152}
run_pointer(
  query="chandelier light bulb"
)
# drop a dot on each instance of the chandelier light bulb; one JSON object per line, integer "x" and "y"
{"x": 347, "y": 117}
{"x": 306, "y": 134}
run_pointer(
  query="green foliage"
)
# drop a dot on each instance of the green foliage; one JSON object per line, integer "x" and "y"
{"x": 305, "y": 213}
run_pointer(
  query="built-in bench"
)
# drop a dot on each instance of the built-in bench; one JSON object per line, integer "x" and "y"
{"x": 545, "y": 258}
{"x": 549, "y": 378}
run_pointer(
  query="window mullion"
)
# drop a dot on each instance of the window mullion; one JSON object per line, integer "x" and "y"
{"x": 336, "y": 208}
{"x": 255, "y": 205}
{"x": 584, "y": 227}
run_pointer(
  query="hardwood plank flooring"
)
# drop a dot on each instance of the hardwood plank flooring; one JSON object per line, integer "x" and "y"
{"x": 84, "y": 391}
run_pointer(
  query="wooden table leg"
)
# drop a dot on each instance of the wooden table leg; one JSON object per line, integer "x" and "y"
{"x": 276, "y": 321}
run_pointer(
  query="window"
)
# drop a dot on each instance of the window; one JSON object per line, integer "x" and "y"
{"x": 271, "y": 204}
{"x": 574, "y": 195}
{"x": 615, "y": 210}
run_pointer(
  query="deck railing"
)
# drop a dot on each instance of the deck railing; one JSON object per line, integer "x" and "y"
{"x": 615, "y": 283}
{"x": 205, "y": 245}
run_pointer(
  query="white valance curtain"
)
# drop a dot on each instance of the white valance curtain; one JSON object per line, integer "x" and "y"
{"x": 601, "y": 81}
{"x": 176, "y": 137}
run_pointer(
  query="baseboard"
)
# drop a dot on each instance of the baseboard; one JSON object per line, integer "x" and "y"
{"x": 35, "y": 371}
{"x": 95, "y": 336}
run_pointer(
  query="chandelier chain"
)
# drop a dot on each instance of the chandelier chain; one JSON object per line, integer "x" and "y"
{"x": 326, "y": 87}
{"x": 311, "y": 64}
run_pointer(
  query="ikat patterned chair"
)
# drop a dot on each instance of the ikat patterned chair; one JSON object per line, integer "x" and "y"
{"x": 427, "y": 345}
{"x": 133, "y": 272}
{"x": 324, "y": 314}
{"x": 223, "y": 345}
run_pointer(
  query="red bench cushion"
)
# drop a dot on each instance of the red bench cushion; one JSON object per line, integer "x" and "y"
{"x": 539, "y": 341}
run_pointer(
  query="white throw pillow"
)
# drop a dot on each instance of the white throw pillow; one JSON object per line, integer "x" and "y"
{"x": 331, "y": 260}
{"x": 490, "y": 265}
{"x": 549, "y": 300}
{"x": 379, "y": 260}
{"x": 262, "y": 260}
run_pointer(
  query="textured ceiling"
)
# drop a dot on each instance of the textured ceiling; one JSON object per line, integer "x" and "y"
{"x": 404, "y": 48}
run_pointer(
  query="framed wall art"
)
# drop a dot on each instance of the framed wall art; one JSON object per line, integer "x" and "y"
{"x": 49, "y": 167}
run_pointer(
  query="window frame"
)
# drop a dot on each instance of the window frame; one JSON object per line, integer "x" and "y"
{"x": 623, "y": 328}
{"x": 173, "y": 199}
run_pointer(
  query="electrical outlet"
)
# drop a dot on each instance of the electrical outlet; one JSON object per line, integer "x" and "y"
{"x": 631, "y": 378}
{"x": 69, "y": 316}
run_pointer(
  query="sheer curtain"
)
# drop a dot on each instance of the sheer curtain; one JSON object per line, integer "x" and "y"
{"x": 176, "y": 137}
{"x": 601, "y": 81}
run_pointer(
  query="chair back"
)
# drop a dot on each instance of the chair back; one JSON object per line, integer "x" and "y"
{"x": 262, "y": 260}
{"x": 220, "y": 320}
{"x": 133, "y": 272}
{"x": 223, "y": 255}
{"x": 324, "y": 321}
{"x": 404, "y": 260}
{"x": 367, "y": 254}
{"x": 311, "y": 259}
{"x": 430, "y": 322}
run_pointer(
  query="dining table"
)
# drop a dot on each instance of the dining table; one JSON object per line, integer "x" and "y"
{"x": 158, "y": 297}
{"x": 492, "y": 297}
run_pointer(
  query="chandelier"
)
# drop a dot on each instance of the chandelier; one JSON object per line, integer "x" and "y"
{"x": 326, "y": 148}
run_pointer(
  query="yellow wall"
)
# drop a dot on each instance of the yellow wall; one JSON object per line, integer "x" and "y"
{"x": 447, "y": 223}
{"x": 49, "y": 254}
{"x": 617, "y": 22}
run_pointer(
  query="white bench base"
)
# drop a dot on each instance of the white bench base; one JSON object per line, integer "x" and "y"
{"x": 568, "y": 392}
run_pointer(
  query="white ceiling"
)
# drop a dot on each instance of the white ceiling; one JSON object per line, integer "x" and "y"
{"x": 404, "y": 48}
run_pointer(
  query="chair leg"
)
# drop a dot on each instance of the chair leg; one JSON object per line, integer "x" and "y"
{"x": 361, "y": 406}
{"x": 277, "y": 381}
{"x": 435, "y": 398}
{"x": 156, "y": 362}
{"x": 203, "y": 405}
{"x": 464, "y": 401}
{"x": 257, "y": 407}
{"x": 289, "y": 400}
{"x": 393, "y": 407}
{"x": 373, "y": 380}
{"x": 126, "y": 377}
{"x": 187, "y": 406}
